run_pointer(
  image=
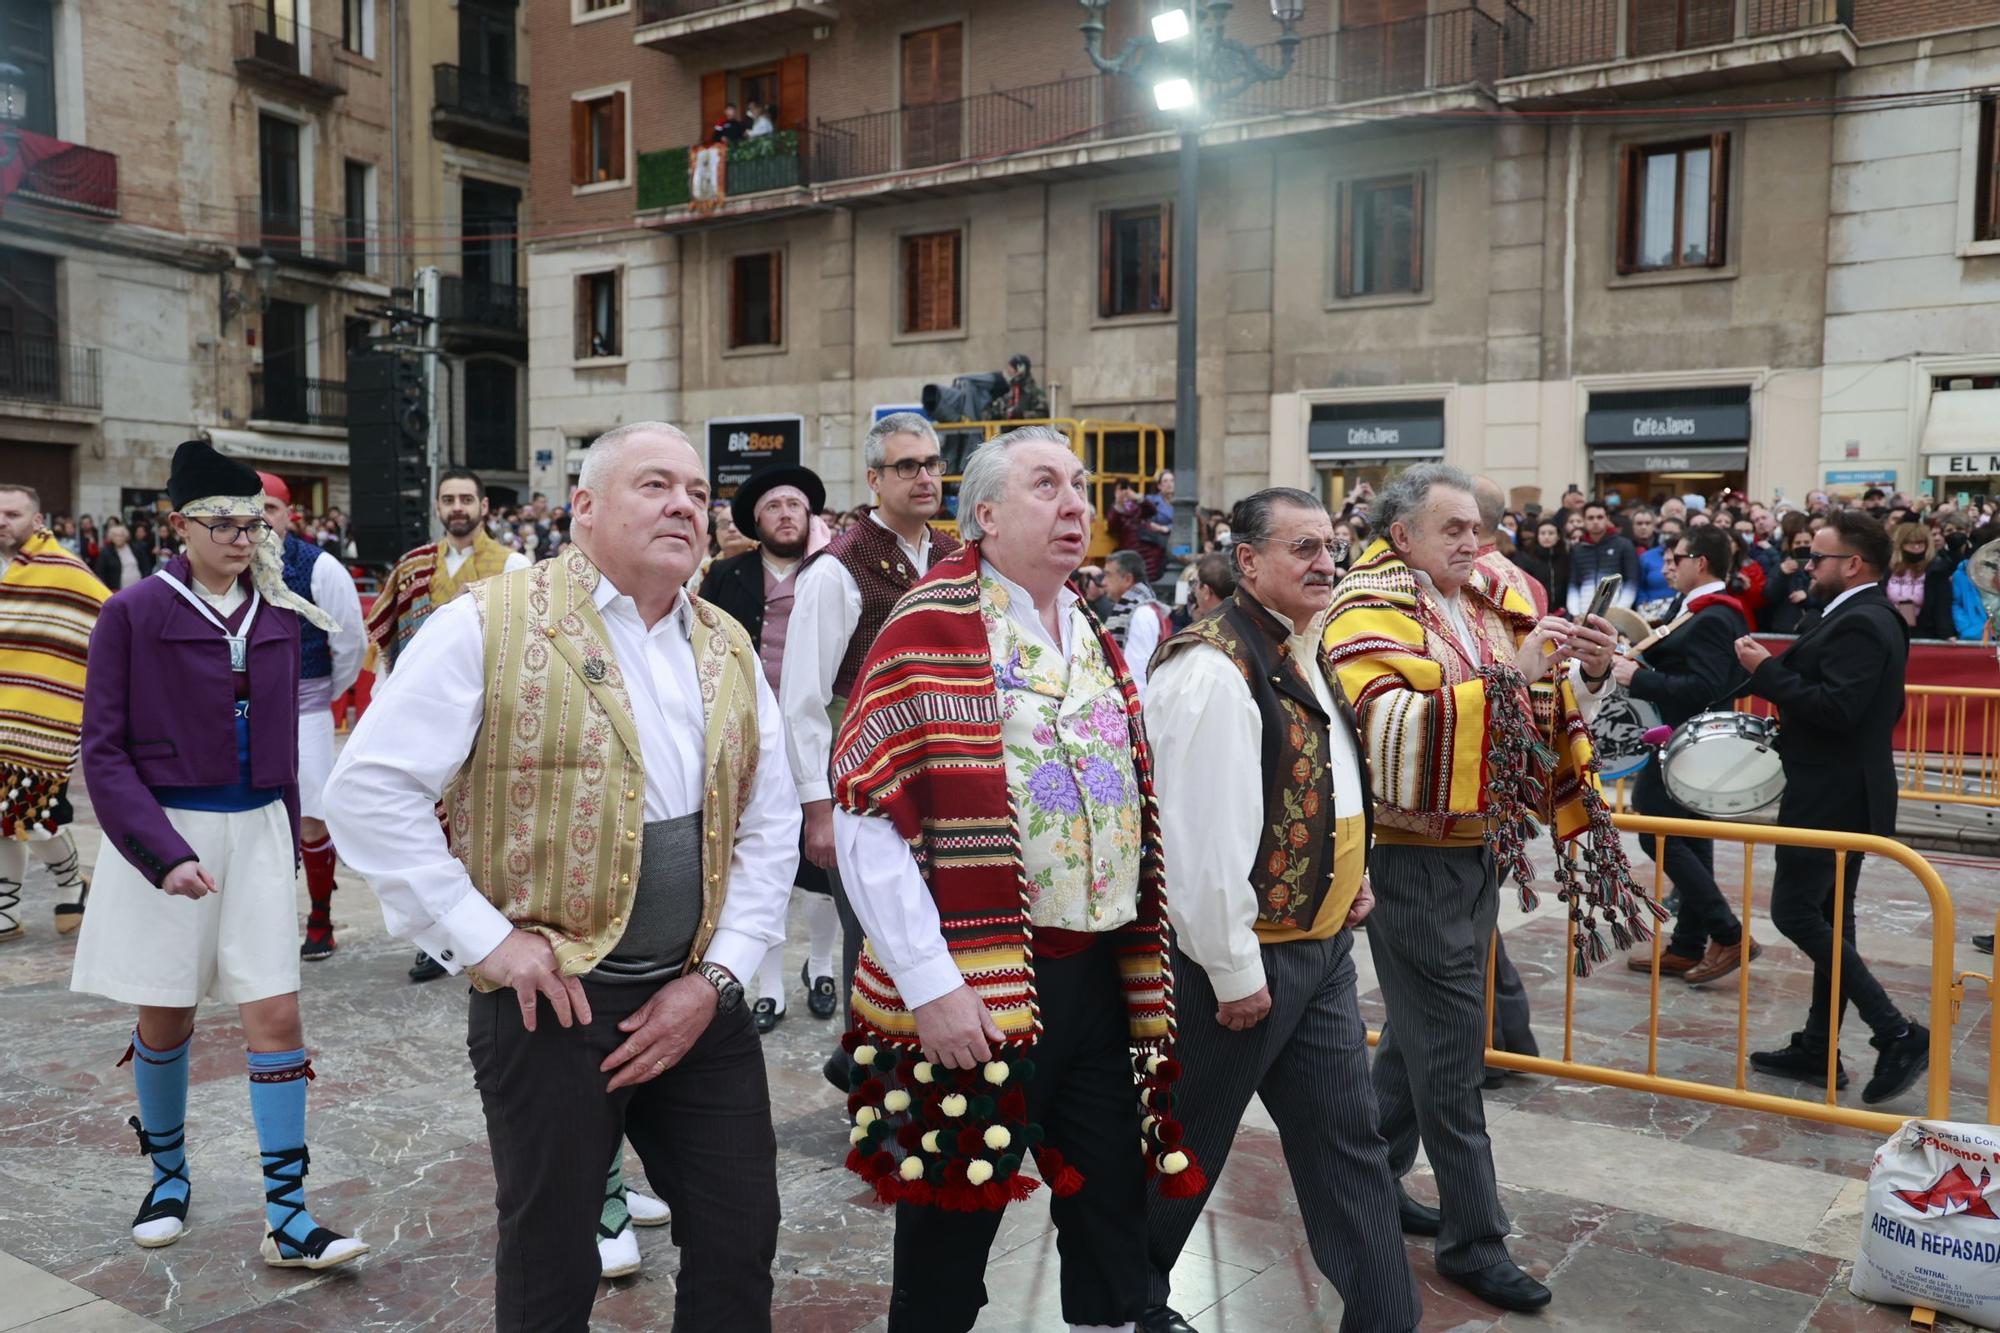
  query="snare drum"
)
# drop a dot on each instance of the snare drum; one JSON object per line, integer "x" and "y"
{"x": 1723, "y": 764}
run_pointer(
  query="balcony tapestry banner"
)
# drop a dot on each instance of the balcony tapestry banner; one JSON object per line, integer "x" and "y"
{"x": 707, "y": 178}
{"x": 61, "y": 170}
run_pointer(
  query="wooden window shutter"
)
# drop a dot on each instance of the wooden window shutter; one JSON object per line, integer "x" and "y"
{"x": 616, "y": 172}
{"x": 736, "y": 301}
{"x": 950, "y": 64}
{"x": 1343, "y": 206}
{"x": 714, "y": 96}
{"x": 579, "y": 143}
{"x": 1986, "y": 191}
{"x": 1718, "y": 200}
{"x": 920, "y": 68}
{"x": 791, "y": 93}
{"x": 777, "y": 298}
{"x": 1628, "y": 200}
{"x": 1107, "y": 265}
{"x": 1417, "y": 232}
{"x": 1163, "y": 281}
{"x": 912, "y": 278}
{"x": 950, "y": 283}
{"x": 581, "y": 295}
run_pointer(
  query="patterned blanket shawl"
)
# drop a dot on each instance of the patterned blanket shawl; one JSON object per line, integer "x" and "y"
{"x": 419, "y": 585}
{"x": 48, "y": 607}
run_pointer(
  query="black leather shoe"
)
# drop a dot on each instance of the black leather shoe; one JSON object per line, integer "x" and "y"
{"x": 426, "y": 968}
{"x": 1418, "y": 1219}
{"x": 822, "y": 999}
{"x": 767, "y": 1014}
{"x": 1983, "y": 943}
{"x": 1164, "y": 1319}
{"x": 1799, "y": 1062}
{"x": 1505, "y": 1285}
{"x": 1902, "y": 1062}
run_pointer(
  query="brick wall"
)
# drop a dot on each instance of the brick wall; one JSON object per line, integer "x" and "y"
{"x": 1882, "y": 20}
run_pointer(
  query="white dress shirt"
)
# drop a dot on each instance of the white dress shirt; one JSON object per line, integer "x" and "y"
{"x": 1208, "y": 772}
{"x": 1142, "y": 637}
{"x": 877, "y": 869}
{"x": 454, "y": 559}
{"x": 826, "y": 606}
{"x": 419, "y": 730}
{"x": 333, "y": 592}
{"x": 1834, "y": 605}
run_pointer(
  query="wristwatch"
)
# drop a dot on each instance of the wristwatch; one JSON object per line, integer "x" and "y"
{"x": 728, "y": 990}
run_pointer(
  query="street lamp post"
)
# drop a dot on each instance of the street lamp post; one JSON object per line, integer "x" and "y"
{"x": 1190, "y": 62}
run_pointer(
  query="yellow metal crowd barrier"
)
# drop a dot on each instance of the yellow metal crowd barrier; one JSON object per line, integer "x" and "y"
{"x": 1945, "y": 989}
{"x": 1112, "y": 451}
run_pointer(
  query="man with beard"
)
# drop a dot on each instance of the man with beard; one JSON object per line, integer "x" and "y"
{"x": 845, "y": 594}
{"x": 1604, "y": 551}
{"x": 428, "y": 577}
{"x": 758, "y": 587}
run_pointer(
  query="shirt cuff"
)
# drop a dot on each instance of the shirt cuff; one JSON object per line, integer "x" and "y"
{"x": 927, "y": 980}
{"x": 1237, "y": 983}
{"x": 740, "y": 952}
{"x": 465, "y": 935}
{"x": 815, "y": 789}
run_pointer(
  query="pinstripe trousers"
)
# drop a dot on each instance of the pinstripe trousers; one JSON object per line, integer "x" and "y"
{"x": 1308, "y": 1059}
{"x": 1435, "y": 908}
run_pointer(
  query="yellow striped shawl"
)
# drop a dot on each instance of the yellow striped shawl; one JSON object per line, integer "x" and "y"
{"x": 549, "y": 812}
{"x": 48, "y": 606}
{"x": 1423, "y": 706}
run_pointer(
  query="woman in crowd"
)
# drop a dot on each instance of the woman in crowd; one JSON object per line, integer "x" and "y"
{"x": 1546, "y": 557}
{"x": 119, "y": 564}
{"x": 1789, "y": 596}
{"x": 1918, "y": 586}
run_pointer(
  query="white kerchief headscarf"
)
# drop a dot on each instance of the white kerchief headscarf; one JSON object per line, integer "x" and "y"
{"x": 267, "y": 560}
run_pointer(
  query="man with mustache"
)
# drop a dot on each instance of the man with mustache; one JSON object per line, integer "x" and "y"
{"x": 1264, "y": 804}
{"x": 998, "y": 836}
{"x": 845, "y": 593}
{"x": 758, "y": 588}
{"x": 623, "y": 833}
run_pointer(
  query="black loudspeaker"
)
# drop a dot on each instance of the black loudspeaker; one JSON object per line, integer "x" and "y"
{"x": 388, "y": 444}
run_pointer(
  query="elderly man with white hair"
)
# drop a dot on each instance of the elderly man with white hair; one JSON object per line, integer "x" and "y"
{"x": 623, "y": 833}
{"x": 996, "y": 830}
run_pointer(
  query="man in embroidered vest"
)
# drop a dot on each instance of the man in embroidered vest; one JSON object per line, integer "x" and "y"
{"x": 1264, "y": 804}
{"x": 48, "y": 606}
{"x": 328, "y": 665}
{"x": 997, "y": 833}
{"x": 623, "y": 835}
{"x": 190, "y": 750}
{"x": 428, "y": 577}
{"x": 845, "y": 592}
{"x": 1438, "y": 661}
{"x": 758, "y": 587}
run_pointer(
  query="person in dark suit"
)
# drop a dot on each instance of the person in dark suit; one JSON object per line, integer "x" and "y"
{"x": 1839, "y": 692}
{"x": 776, "y": 506}
{"x": 1690, "y": 668}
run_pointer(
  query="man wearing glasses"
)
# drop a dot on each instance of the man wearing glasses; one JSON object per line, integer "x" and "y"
{"x": 1839, "y": 692}
{"x": 844, "y": 594}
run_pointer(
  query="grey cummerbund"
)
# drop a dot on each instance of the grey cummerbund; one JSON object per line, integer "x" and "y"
{"x": 666, "y": 907}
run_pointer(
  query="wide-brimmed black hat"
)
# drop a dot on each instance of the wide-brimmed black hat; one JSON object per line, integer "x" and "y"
{"x": 199, "y": 472}
{"x": 743, "y": 505}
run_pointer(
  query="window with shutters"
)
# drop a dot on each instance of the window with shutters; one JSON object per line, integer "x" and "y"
{"x": 583, "y": 11}
{"x": 932, "y": 283}
{"x": 1986, "y": 195}
{"x": 756, "y": 300}
{"x": 1673, "y": 205}
{"x": 599, "y": 332}
{"x": 1380, "y": 251}
{"x": 778, "y": 89}
{"x": 1135, "y": 261}
{"x": 598, "y": 150}
{"x": 933, "y": 114}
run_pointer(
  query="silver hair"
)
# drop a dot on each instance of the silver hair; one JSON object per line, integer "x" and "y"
{"x": 987, "y": 472}
{"x": 1400, "y": 500}
{"x": 875, "y": 446}
{"x": 601, "y": 460}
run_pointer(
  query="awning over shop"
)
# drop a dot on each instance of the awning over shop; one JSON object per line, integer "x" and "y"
{"x": 1962, "y": 434}
{"x": 268, "y": 447}
{"x": 1669, "y": 460}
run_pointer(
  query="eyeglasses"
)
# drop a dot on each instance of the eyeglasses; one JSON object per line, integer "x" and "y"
{"x": 1812, "y": 561}
{"x": 229, "y": 534}
{"x": 1308, "y": 548}
{"x": 908, "y": 468}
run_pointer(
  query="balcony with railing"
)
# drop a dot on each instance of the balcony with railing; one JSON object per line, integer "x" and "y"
{"x": 48, "y": 373}
{"x": 275, "y": 49}
{"x": 1564, "y": 48}
{"x": 476, "y": 111}
{"x": 1048, "y": 129}
{"x": 303, "y": 236}
{"x": 297, "y": 400}
{"x": 63, "y": 175}
{"x": 473, "y": 314}
{"x": 683, "y": 25}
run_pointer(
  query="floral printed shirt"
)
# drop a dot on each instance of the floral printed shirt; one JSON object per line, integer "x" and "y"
{"x": 1068, "y": 745}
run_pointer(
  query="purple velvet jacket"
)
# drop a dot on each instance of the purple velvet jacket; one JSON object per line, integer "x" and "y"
{"x": 159, "y": 711}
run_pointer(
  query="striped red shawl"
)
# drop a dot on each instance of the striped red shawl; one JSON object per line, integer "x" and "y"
{"x": 920, "y": 746}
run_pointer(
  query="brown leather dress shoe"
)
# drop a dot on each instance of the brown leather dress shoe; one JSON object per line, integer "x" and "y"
{"x": 1671, "y": 964}
{"x": 1719, "y": 961}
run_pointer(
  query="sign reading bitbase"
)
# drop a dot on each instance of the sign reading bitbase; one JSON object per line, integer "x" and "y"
{"x": 740, "y": 446}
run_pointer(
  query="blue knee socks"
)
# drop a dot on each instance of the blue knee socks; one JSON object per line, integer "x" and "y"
{"x": 278, "y": 1105}
{"x": 161, "y": 1079}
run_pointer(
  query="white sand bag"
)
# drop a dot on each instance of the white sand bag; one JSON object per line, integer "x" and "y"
{"x": 1930, "y": 1229}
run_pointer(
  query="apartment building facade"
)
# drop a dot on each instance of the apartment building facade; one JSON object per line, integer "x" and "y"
{"x": 1557, "y": 241}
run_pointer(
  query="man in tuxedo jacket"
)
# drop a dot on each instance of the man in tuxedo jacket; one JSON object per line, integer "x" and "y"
{"x": 1839, "y": 692}
{"x": 1689, "y": 667}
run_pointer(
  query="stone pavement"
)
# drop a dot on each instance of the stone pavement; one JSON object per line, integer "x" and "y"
{"x": 1641, "y": 1212}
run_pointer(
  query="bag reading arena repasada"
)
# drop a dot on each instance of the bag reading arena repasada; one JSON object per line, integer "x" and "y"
{"x": 1930, "y": 1229}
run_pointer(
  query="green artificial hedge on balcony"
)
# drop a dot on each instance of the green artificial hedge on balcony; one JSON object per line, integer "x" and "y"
{"x": 768, "y": 162}
{"x": 663, "y": 179}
